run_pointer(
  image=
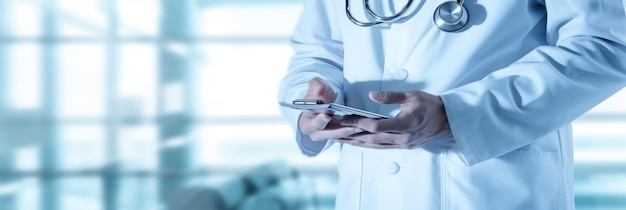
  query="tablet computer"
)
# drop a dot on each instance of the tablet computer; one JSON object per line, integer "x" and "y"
{"x": 331, "y": 108}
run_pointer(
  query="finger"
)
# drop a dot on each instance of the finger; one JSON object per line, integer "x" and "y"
{"x": 393, "y": 125}
{"x": 383, "y": 138}
{"x": 367, "y": 124}
{"x": 403, "y": 141}
{"x": 388, "y": 97}
{"x": 335, "y": 133}
{"x": 321, "y": 90}
{"x": 359, "y": 143}
{"x": 310, "y": 122}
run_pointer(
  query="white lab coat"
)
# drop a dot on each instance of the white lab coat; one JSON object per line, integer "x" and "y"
{"x": 511, "y": 82}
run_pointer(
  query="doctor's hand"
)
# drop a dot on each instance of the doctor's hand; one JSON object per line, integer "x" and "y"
{"x": 321, "y": 126}
{"x": 422, "y": 118}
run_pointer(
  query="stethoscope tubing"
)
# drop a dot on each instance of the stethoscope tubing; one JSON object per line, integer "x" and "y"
{"x": 378, "y": 19}
{"x": 389, "y": 18}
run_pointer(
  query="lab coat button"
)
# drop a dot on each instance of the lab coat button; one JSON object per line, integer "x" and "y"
{"x": 401, "y": 74}
{"x": 393, "y": 168}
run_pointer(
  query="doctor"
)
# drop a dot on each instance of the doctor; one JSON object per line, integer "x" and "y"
{"x": 483, "y": 93}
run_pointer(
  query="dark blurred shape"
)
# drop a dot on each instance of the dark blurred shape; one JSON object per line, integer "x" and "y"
{"x": 267, "y": 200}
{"x": 196, "y": 198}
{"x": 263, "y": 187}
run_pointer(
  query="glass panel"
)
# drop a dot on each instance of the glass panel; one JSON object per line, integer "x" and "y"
{"x": 138, "y": 147}
{"x": 23, "y": 63}
{"x": 28, "y": 194}
{"x": 81, "y": 80}
{"x": 20, "y": 18}
{"x": 137, "y": 154}
{"x": 83, "y": 18}
{"x": 27, "y": 161}
{"x": 246, "y": 144}
{"x": 138, "y": 193}
{"x": 245, "y": 2}
{"x": 80, "y": 193}
{"x": 242, "y": 144}
{"x": 173, "y": 100}
{"x": 238, "y": 75}
{"x": 137, "y": 80}
{"x": 82, "y": 147}
{"x": 249, "y": 20}
{"x": 81, "y": 152}
{"x": 138, "y": 18}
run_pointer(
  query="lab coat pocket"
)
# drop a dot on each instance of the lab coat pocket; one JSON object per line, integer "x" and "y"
{"x": 350, "y": 170}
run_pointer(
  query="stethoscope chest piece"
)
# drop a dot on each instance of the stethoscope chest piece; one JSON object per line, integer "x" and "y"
{"x": 451, "y": 16}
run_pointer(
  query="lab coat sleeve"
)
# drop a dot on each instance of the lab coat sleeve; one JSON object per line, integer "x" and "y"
{"x": 583, "y": 63}
{"x": 318, "y": 53}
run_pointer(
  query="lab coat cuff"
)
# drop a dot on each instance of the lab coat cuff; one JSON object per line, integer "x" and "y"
{"x": 457, "y": 121}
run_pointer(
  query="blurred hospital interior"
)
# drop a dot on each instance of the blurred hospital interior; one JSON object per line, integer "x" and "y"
{"x": 171, "y": 104}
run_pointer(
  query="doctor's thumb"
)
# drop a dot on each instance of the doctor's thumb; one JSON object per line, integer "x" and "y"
{"x": 387, "y": 97}
{"x": 321, "y": 90}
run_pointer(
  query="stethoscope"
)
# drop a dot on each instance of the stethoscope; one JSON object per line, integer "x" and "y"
{"x": 449, "y": 16}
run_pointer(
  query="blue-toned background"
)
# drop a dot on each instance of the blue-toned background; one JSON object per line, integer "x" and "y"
{"x": 144, "y": 104}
